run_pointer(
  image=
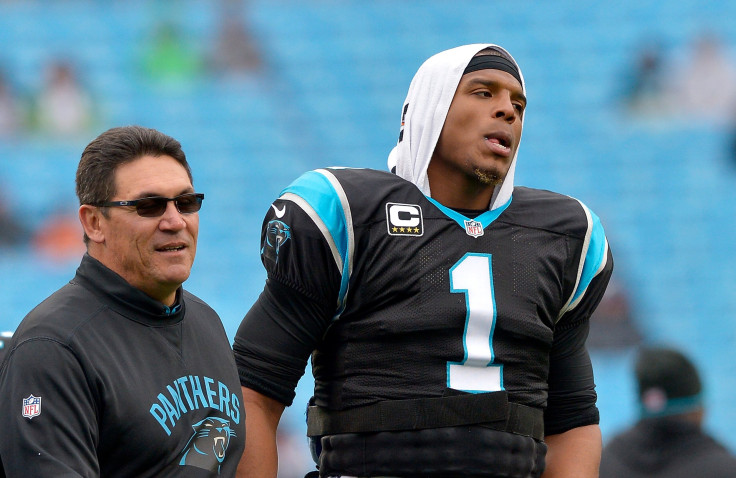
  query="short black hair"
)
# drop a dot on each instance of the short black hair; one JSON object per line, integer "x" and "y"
{"x": 95, "y": 179}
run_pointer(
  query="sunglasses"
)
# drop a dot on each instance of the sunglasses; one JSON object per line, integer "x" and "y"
{"x": 155, "y": 206}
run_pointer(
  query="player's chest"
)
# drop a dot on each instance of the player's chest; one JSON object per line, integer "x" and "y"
{"x": 517, "y": 273}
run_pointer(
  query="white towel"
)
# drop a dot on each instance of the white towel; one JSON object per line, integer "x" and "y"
{"x": 429, "y": 98}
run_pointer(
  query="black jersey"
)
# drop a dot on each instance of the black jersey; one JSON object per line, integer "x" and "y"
{"x": 102, "y": 380}
{"x": 399, "y": 297}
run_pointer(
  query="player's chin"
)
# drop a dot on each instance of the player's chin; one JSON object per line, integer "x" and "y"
{"x": 489, "y": 176}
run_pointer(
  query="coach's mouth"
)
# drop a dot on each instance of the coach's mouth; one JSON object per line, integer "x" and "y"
{"x": 172, "y": 247}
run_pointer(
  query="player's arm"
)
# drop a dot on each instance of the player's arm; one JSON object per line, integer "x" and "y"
{"x": 575, "y": 453}
{"x": 260, "y": 459}
{"x": 571, "y": 418}
{"x": 283, "y": 327}
{"x": 573, "y": 436}
{"x": 303, "y": 249}
{"x": 272, "y": 346}
{"x": 56, "y": 435}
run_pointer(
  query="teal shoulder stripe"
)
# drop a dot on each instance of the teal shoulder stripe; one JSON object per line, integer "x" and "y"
{"x": 595, "y": 257}
{"x": 321, "y": 196}
{"x": 319, "y": 193}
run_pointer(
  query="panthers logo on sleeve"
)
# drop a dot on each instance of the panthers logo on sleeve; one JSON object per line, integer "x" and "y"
{"x": 277, "y": 234}
{"x": 207, "y": 447}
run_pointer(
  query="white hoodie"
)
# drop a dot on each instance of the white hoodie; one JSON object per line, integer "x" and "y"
{"x": 430, "y": 94}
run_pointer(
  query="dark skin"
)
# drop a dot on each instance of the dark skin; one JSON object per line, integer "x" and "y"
{"x": 478, "y": 141}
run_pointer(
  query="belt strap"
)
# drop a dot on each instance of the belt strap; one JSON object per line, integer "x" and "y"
{"x": 491, "y": 410}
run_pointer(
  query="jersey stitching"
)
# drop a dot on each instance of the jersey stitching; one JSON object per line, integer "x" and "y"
{"x": 284, "y": 281}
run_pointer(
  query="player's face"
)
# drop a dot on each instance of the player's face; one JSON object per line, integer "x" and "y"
{"x": 481, "y": 132}
{"x": 154, "y": 254}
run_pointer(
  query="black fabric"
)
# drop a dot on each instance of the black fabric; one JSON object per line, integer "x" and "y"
{"x": 668, "y": 447}
{"x": 125, "y": 385}
{"x": 571, "y": 384}
{"x": 128, "y": 301}
{"x": 492, "y": 410}
{"x": 433, "y": 453}
{"x": 493, "y": 62}
{"x": 383, "y": 312}
{"x": 261, "y": 335}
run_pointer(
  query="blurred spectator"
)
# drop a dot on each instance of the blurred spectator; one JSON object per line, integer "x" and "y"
{"x": 235, "y": 51}
{"x": 64, "y": 107}
{"x": 645, "y": 87}
{"x": 668, "y": 441}
{"x": 12, "y": 232}
{"x": 59, "y": 239}
{"x": 612, "y": 325}
{"x": 705, "y": 84}
{"x": 10, "y": 111}
{"x": 4, "y": 344}
{"x": 732, "y": 142}
{"x": 169, "y": 58}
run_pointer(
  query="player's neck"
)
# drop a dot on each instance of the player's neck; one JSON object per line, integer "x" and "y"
{"x": 472, "y": 198}
{"x": 458, "y": 191}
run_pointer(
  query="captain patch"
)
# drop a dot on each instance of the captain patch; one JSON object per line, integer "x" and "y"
{"x": 404, "y": 219}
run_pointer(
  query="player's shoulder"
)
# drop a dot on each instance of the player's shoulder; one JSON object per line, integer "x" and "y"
{"x": 362, "y": 174}
{"x": 550, "y": 210}
{"x": 331, "y": 188}
{"x": 545, "y": 199}
{"x": 332, "y": 179}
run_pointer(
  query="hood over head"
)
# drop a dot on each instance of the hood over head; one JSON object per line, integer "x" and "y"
{"x": 423, "y": 115}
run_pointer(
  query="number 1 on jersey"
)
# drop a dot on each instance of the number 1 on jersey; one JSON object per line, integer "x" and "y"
{"x": 472, "y": 276}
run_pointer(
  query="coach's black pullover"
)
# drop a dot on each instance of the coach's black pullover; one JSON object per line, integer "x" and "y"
{"x": 102, "y": 380}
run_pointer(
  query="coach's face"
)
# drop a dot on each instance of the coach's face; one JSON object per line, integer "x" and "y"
{"x": 154, "y": 254}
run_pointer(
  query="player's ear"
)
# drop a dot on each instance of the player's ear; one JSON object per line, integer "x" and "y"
{"x": 91, "y": 219}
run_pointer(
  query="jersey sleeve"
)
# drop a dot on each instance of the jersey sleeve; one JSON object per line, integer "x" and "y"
{"x": 572, "y": 397}
{"x": 594, "y": 269}
{"x": 304, "y": 250}
{"x": 48, "y": 413}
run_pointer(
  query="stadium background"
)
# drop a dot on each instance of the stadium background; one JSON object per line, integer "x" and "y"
{"x": 329, "y": 92}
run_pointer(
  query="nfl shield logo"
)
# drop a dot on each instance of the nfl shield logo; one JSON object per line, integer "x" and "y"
{"x": 31, "y": 406}
{"x": 473, "y": 228}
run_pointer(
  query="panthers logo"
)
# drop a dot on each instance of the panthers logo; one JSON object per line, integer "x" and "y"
{"x": 277, "y": 234}
{"x": 207, "y": 447}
